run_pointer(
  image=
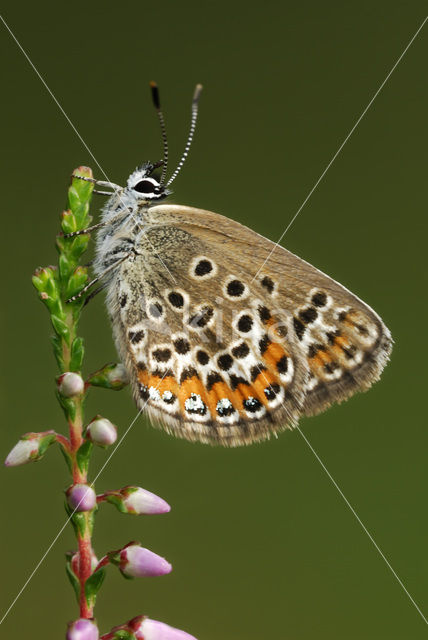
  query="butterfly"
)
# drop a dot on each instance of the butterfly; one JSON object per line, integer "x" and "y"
{"x": 227, "y": 337}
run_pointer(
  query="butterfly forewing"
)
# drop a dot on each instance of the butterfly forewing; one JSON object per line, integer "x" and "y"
{"x": 342, "y": 341}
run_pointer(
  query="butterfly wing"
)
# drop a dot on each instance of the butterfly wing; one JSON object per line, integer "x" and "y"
{"x": 207, "y": 358}
{"x": 343, "y": 342}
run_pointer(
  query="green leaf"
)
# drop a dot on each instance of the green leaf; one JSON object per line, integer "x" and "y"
{"x": 76, "y": 308}
{"x": 42, "y": 277}
{"x": 73, "y": 247}
{"x": 58, "y": 352}
{"x": 78, "y": 520}
{"x": 66, "y": 267}
{"x": 93, "y": 584}
{"x": 67, "y": 457}
{"x": 123, "y": 634}
{"x": 45, "y": 442}
{"x": 37, "y": 282}
{"x": 83, "y": 454}
{"x": 77, "y": 353}
{"x": 68, "y": 221}
{"x": 51, "y": 284}
{"x": 79, "y": 245}
{"x": 68, "y": 406}
{"x": 76, "y": 282}
{"x": 91, "y": 518}
{"x": 117, "y": 500}
{"x": 73, "y": 579}
{"x": 73, "y": 197}
{"x": 82, "y": 215}
{"x": 45, "y": 281}
{"x": 54, "y": 305}
{"x": 79, "y": 196}
{"x": 79, "y": 524}
{"x": 61, "y": 328}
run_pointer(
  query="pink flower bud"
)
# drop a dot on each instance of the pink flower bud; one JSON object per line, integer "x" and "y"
{"x": 111, "y": 376}
{"x": 118, "y": 375}
{"x": 24, "y": 451}
{"x": 30, "y": 448}
{"x": 138, "y": 562}
{"x": 81, "y": 497}
{"x": 82, "y": 629}
{"x": 147, "y": 629}
{"x": 141, "y": 502}
{"x": 70, "y": 384}
{"x": 101, "y": 431}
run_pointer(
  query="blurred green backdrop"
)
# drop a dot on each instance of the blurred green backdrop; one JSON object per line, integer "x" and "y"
{"x": 262, "y": 544}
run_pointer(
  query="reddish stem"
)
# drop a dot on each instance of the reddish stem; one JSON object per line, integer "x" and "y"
{"x": 101, "y": 497}
{"x": 84, "y": 540}
{"x": 85, "y": 570}
{"x": 75, "y": 442}
{"x": 102, "y": 563}
{"x": 65, "y": 442}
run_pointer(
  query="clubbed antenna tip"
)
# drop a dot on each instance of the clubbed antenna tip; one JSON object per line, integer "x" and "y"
{"x": 155, "y": 94}
{"x": 197, "y": 94}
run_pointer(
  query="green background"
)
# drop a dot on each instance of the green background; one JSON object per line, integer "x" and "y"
{"x": 263, "y": 545}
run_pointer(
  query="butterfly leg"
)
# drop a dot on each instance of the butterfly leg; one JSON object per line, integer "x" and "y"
{"x": 98, "y": 278}
{"x": 120, "y": 215}
{"x": 103, "y": 193}
{"x": 94, "y": 293}
{"x": 73, "y": 234}
{"x": 100, "y": 183}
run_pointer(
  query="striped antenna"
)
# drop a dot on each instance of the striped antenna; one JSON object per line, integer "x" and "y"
{"x": 195, "y": 103}
{"x": 156, "y": 102}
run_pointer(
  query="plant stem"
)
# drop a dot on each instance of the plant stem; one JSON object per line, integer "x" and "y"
{"x": 85, "y": 556}
{"x": 80, "y": 476}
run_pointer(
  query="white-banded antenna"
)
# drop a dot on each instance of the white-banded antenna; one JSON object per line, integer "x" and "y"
{"x": 195, "y": 103}
{"x": 156, "y": 102}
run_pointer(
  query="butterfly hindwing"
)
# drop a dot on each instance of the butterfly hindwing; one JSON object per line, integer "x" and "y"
{"x": 209, "y": 357}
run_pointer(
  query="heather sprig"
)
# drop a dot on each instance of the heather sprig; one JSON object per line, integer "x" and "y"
{"x": 55, "y": 286}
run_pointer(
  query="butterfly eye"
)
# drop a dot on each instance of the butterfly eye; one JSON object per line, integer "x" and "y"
{"x": 146, "y": 186}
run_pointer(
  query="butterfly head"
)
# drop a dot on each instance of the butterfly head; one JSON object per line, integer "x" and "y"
{"x": 143, "y": 185}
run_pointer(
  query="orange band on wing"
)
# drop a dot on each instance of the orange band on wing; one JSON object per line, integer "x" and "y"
{"x": 221, "y": 391}
{"x": 274, "y": 353}
{"x": 168, "y": 383}
{"x": 264, "y": 380}
{"x": 189, "y": 386}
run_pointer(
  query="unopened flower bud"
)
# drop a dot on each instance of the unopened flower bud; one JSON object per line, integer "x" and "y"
{"x": 118, "y": 376}
{"x": 24, "y": 451}
{"x": 111, "y": 376}
{"x": 30, "y": 448}
{"x": 138, "y": 562}
{"x": 101, "y": 432}
{"x": 70, "y": 384}
{"x": 81, "y": 497}
{"x": 82, "y": 629}
{"x": 142, "y": 502}
{"x": 147, "y": 629}
{"x": 74, "y": 559}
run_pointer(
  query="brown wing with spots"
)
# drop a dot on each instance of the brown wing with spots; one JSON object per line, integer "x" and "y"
{"x": 209, "y": 358}
{"x": 343, "y": 342}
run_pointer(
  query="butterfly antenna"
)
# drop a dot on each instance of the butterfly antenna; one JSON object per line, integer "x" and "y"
{"x": 156, "y": 102}
{"x": 195, "y": 104}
